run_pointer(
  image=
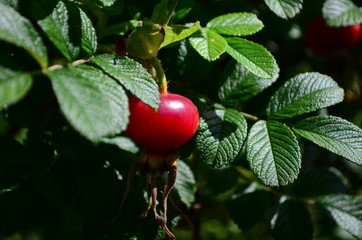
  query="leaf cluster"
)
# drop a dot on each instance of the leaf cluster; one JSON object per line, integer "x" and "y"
{"x": 64, "y": 156}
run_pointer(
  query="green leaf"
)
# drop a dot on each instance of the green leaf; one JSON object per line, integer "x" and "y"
{"x": 185, "y": 183}
{"x": 302, "y": 94}
{"x": 67, "y": 26}
{"x": 120, "y": 28}
{"x": 339, "y": 13}
{"x": 293, "y": 221}
{"x": 345, "y": 210}
{"x": 132, "y": 76}
{"x": 335, "y": 134}
{"x": 89, "y": 37}
{"x": 160, "y": 13}
{"x": 180, "y": 14}
{"x": 14, "y": 83}
{"x": 14, "y": 88}
{"x": 285, "y": 8}
{"x": 254, "y": 57}
{"x": 62, "y": 26}
{"x": 123, "y": 143}
{"x": 94, "y": 103}
{"x": 273, "y": 153}
{"x": 221, "y": 180}
{"x": 236, "y": 24}
{"x": 112, "y": 7}
{"x": 239, "y": 84}
{"x": 250, "y": 208}
{"x": 191, "y": 65}
{"x": 177, "y": 33}
{"x": 18, "y": 30}
{"x": 209, "y": 44}
{"x": 319, "y": 182}
{"x": 11, "y": 3}
{"x": 221, "y": 135}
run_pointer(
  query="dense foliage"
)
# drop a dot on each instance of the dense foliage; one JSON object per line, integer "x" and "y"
{"x": 277, "y": 152}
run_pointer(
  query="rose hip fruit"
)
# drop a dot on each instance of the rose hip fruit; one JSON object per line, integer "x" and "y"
{"x": 322, "y": 39}
{"x": 174, "y": 123}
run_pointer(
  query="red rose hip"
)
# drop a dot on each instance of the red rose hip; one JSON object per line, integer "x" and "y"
{"x": 174, "y": 123}
{"x": 322, "y": 39}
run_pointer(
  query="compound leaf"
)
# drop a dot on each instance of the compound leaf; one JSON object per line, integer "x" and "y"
{"x": 236, "y": 24}
{"x": 123, "y": 143}
{"x": 209, "y": 44}
{"x": 14, "y": 88}
{"x": 345, "y": 210}
{"x": 62, "y": 26}
{"x": 239, "y": 84}
{"x": 339, "y": 13}
{"x": 11, "y": 3}
{"x": 285, "y": 8}
{"x": 185, "y": 183}
{"x": 18, "y": 30}
{"x": 94, "y": 103}
{"x": 89, "y": 37}
{"x": 14, "y": 82}
{"x": 254, "y": 57}
{"x": 161, "y": 12}
{"x": 273, "y": 153}
{"x": 132, "y": 76}
{"x": 304, "y": 93}
{"x": 334, "y": 134}
{"x": 221, "y": 135}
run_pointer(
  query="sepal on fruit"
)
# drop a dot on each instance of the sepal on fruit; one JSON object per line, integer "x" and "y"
{"x": 158, "y": 161}
{"x": 145, "y": 41}
{"x": 151, "y": 164}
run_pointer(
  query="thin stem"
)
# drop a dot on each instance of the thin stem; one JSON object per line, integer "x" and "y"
{"x": 160, "y": 75}
{"x": 183, "y": 215}
{"x": 249, "y": 116}
{"x": 57, "y": 66}
{"x": 131, "y": 174}
{"x": 170, "y": 12}
{"x": 246, "y": 174}
{"x": 149, "y": 195}
{"x": 79, "y": 62}
{"x": 171, "y": 180}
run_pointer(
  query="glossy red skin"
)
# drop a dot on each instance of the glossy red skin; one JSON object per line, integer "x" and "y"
{"x": 174, "y": 124}
{"x": 322, "y": 39}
